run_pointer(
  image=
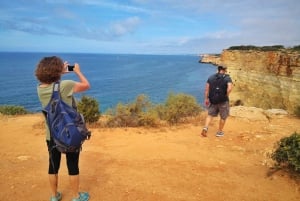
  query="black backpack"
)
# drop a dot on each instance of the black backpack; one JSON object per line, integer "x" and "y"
{"x": 218, "y": 89}
{"x": 67, "y": 127}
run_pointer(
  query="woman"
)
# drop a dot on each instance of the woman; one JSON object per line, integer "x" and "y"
{"x": 48, "y": 71}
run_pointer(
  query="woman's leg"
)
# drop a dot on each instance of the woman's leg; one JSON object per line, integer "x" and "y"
{"x": 53, "y": 179}
{"x": 54, "y": 165}
{"x": 73, "y": 168}
{"x": 74, "y": 183}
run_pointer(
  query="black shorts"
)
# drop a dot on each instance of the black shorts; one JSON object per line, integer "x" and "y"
{"x": 72, "y": 159}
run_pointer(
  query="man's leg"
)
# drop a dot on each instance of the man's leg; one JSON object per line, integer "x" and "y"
{"x": 224, "y": 113}
{"x": 205, "y": 128}
{"x": 212, "y": 111}
{"x": 220, "y": 132}
{"x": 208, "y": 120}
{"x": 221, "y": 124}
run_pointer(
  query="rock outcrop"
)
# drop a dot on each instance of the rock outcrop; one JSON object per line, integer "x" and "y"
{"x": 265, "y": 79}
{"x": 210, "y": 58}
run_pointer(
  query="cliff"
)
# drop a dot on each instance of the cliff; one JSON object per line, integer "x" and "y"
{"x": 210, "y": 58}
{"x": 265, "y": 79}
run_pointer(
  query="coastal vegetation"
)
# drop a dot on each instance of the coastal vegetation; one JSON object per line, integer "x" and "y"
{"x": 287, "y": 153}
{"x": 297, "y": 112}
{"x": 12, "y": 110}
{"x": 142, "y": 112}
{"x": 177, "y": 108}
{"x": 264, "y": 48}
{"x": 134, "y": 114}
{"x": 89, "y": 108}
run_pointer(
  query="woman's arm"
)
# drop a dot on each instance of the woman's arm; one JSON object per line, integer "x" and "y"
{"x": 83, "y": 84}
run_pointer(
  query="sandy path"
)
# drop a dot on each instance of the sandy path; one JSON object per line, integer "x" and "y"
{"x": 163, "y": 164}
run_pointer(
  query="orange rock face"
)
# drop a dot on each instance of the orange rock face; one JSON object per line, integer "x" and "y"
{"x": 266, "y": 79}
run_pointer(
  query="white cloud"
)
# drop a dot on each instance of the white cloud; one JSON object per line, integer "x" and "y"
{"x": 125, "y": 26}
{"x": 155, "y": 25}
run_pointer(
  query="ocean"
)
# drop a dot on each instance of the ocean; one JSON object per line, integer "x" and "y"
{"x": 114, "y": 78}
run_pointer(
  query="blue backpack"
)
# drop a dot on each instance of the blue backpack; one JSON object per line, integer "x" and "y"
{"x": 67, "y": 127}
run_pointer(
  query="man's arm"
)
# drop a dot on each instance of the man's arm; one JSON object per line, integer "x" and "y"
{"x": 229, "y": 88}
{"x": 206, "y": 93}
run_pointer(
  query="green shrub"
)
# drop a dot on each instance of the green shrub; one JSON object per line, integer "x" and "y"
{"x": 243, "y": 47}
{"x": 297, "y": 111}
{"x": 252, "y": 47}
{"x": 296, "y": 48}
{"x": 272, "y": 48}
{"x": 120, "y": 116}
{"x": 178, "y": 107}
{"x": 137, "y": 113}
{"x": 287, "y": 153}
{"x": 160, "y": 110}
{"x": 142, "y": 112}
{"x": 149, "y": 118}
{"x": 264, "y": 48}
{"x": 12, "y": 110}
{"x": 89, "y": 108}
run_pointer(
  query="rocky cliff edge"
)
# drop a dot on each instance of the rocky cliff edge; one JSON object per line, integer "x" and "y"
{"x": 264, "y": 79}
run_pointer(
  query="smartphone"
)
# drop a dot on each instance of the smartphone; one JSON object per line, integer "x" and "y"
{"x": 70, "y": 68}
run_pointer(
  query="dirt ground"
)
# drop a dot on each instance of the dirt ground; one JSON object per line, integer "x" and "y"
{"x": 153, "y": 164}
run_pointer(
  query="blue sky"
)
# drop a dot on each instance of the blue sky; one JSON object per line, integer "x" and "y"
{"x": 146, "y": 26}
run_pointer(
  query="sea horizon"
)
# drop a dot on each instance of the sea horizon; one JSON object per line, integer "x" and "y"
{"x": 114, "y": 78}
{"x": 109, "y": 53}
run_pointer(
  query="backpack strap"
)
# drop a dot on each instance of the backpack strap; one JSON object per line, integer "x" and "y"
{"x": 56, "y": 90}
{"x": 56, "y": 94}
{"x": 218, "y": 75}
{"x": 74, "y": 103}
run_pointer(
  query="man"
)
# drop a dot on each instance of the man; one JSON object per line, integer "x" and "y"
{"x": 217, "y": 90}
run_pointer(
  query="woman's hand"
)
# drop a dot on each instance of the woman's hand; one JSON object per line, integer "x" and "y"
{"x": 76, "y": 68}
{"x": 65, "y": 68}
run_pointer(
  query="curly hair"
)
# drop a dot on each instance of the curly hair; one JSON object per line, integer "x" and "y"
{"x": 49, "y": 69}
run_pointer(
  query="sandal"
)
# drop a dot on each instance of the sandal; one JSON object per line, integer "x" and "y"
{"x": 57, "y": 197}
{"x": 204, "y": 132}
{"x": 83, "y": 196}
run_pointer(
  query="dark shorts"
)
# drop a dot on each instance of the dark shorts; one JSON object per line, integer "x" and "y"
{"x": 54, "y": 160}
{"x": 220, "y": 108}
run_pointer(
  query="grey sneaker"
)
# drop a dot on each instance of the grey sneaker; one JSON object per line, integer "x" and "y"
{"x": 220, "y": 134}
{"x": 204, "y": 132}
{"x": 57, "y": 197}
{"x": 83, "y": 196}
